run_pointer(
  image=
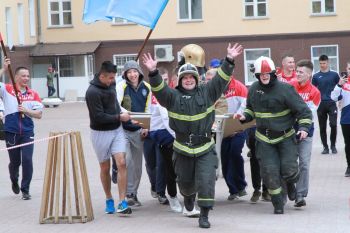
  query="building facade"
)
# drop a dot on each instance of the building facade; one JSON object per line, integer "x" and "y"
{"x": 52, "y": 33}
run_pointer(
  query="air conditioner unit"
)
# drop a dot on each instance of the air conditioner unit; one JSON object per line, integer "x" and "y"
{"x": 164, "y": 52}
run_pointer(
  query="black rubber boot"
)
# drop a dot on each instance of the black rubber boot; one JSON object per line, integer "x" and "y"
{"x": 291, "y": 190}
{"x": 277, "y": 202}
{"x": 189, "y": 202}
{"x": 203, "y": 218}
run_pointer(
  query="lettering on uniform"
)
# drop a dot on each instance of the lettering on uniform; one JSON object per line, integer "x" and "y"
{"x": 305, "y": 96}
{"x": 261, "y": 92}
{"x": 25, "y": 96}
{"x": 186, "y": 97}
{"x": 230, "y": 93}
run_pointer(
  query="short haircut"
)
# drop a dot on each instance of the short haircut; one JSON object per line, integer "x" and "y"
{"x": 20, "y": 68}
{"x": 287, "y": 55}
{"x": 305, "y": 63}
{"x": 108, "y": 67}
{"x": 323, "y": 57}
{"x": 162, "y": 70}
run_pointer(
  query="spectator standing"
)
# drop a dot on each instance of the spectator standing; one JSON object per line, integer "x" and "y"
{"x": 49, "y": 81}
{"x": 342, "y": 91}
{"x": 325, "y": 80}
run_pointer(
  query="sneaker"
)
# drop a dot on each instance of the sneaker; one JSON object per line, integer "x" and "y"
{"x": 325, "y": 151}
{"x": 347, "y": 172}
{"x": 154, "y": 194}
{"x": 255, "y": 197}
{"x": 15, "y": 188}
{"x": 130, "y": 199}
{"x": 232, "y": 197}
{"x": 191, "y": 214}
{"x": 110, "y": 206}
{"x": 136, "y": 201}
{"x": 242, "y": 193}
{"x": 163, "y": 200}
{"x": 334, "y": 150}
{"x": 26, "y": 196}
{"x": 123, "y": 208}
{"x": 265, "y": 196}
{"x": 175, "y": 204}
{"x": 299, "y": 202}
{"x": 114, "y": 176}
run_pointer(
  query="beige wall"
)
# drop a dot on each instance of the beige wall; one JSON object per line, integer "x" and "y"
{"x": 28, "y": 40}
{"x": 222, "y": 19}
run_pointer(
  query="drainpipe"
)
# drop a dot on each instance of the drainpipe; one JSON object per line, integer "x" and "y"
{"x": 38, "y": 22}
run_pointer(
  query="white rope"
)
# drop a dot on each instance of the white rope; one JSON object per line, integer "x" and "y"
{"x": 35, "y": 141}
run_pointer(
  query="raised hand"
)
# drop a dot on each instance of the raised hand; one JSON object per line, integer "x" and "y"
{"x": 234, "y": 51}
{"x": 149, "y": 62}
{"x": 6, "y": 64}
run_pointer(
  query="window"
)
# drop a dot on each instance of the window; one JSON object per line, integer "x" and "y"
{"x": 121, "y": 21}
{"x": 121, "y": 59}
{"x": 90, "y": 64}
{"x": 190, "y": 10}
{"x": 330, "y": 50}
{"x": 31, "y": 18}
{"x": 72, "y": 66}
{"x": 255, "y": 8}
{"x": 9, "y": 26}
{"x": 250, "y": 55}
{"x": 20, "y": 24}
{"x": 60, "y": 13}
{"x": 323, "y": 6}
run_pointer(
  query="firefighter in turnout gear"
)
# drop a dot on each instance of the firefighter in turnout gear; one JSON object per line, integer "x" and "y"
{"x": 276, "y": 106}
{"x": 191, "y": 115}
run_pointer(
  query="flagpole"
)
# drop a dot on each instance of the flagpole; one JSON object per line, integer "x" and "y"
{"x": 144, "y": 44}
{"x": 10, "y": 71}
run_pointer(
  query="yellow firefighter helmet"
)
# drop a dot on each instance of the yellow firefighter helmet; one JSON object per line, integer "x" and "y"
{"x": 194, "y": 54}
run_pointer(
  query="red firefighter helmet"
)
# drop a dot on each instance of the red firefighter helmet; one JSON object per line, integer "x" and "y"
{"x": 264, "y": 65}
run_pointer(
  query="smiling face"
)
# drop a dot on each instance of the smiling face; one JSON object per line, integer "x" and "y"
{"x": 188, "y": 82}
{"x": 265, "y": 78}
{"x": 133, "y": 77}
{"x": 288, "y": 64}
{"x": 303, "y": 74}
{"x": 22, "y": 78}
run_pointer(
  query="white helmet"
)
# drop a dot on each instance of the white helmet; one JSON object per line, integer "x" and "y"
{"x": 264, "y": 65}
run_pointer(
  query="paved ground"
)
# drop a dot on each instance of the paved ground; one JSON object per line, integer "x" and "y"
{"x": 327, "y": 210}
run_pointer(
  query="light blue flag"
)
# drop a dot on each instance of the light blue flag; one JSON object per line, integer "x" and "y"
{"x": 144, "y": 12}
{"x": 95, "y": 10}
